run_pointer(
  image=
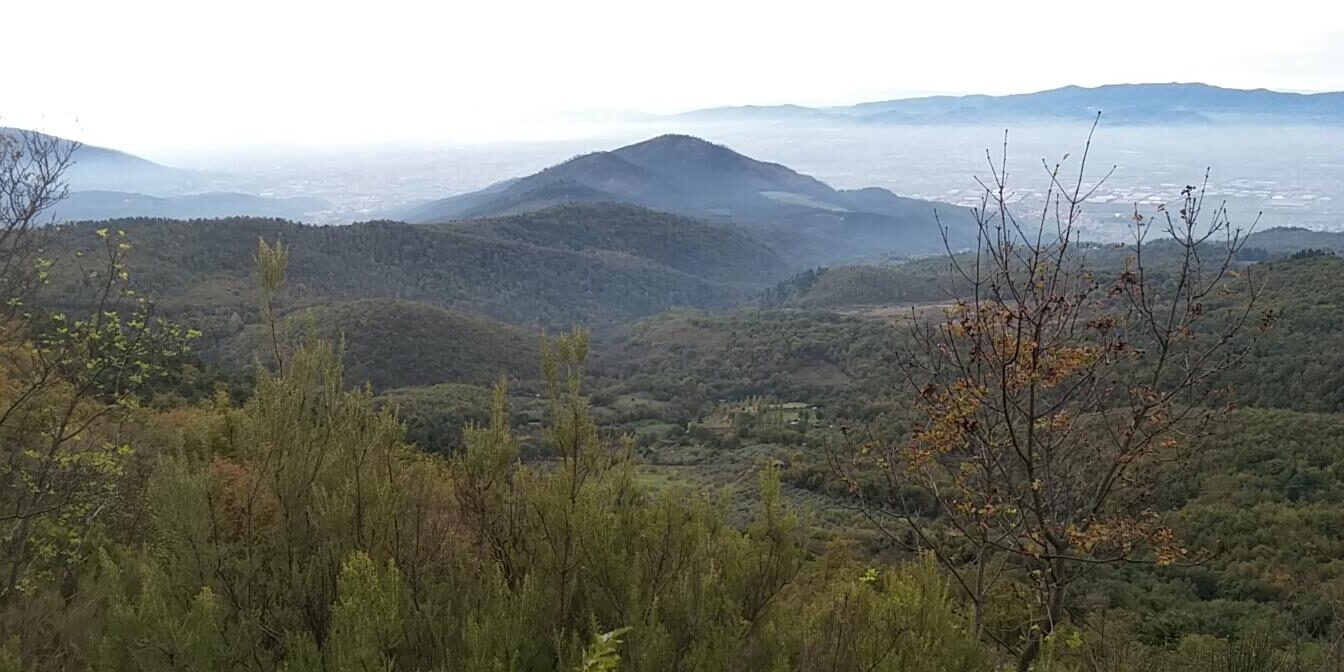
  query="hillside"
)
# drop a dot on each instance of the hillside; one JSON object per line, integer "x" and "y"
{"x": 797, "y": 214}
{"x": 203, "y": 269}
{"x": 1140, "y": 104}
{"x": 823, "y": 357}
{"x": 391, "y": 343}
{"x": 1286, "y": 240}
{"x": 928, "y": 280}
{"x": 681, "y": 243}
{"x": 1298, "y": 364}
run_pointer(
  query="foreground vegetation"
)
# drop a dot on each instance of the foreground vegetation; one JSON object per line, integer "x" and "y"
{"x": 300, "y": 531}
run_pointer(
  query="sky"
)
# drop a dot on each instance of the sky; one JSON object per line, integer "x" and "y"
{"x": 161, "y": 75}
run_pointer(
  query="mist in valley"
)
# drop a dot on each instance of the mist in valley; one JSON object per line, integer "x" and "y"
{"x": 1285, "y": 175}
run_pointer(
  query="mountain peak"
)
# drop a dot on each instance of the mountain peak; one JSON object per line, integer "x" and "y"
{"x": 674, "y": 147}
{"x": 674, "y": 140}
{"x": 690, "y": 176}
{"x": 686, "y": 158}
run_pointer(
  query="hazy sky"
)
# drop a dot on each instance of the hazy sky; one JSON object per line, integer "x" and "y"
{"x": 151, "y": 75}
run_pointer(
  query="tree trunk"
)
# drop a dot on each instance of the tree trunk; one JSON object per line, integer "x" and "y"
{"x": 1053, "y": 608}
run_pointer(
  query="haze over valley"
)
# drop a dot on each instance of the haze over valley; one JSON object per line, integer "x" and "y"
{"x": 1286, "y": 165}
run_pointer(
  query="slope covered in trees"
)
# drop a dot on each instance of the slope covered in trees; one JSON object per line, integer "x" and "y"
{"x": 202, "y": 269}
{"x": 680, "y": 243}
{"x": 393, "y": 343}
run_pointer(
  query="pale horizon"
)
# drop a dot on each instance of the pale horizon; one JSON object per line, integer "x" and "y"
{"x": 151, "y": 75}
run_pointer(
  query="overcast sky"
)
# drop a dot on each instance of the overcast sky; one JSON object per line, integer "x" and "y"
{"x": 147, "y": 75}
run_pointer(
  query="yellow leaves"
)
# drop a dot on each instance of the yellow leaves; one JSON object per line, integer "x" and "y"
{"x": 1125, "y": 536}
{"x": 952, "y": 416}
{"x": 997, "y": 334}
{"x": 1166, "y": 550}
{"x": 1028, "y": 363}
{"x": 1069, "y": 360}
{"x": 1057, "y": 422}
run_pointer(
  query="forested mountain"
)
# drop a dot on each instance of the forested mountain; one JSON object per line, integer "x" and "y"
{"x": 557, "y": 267}
{"x": 796, "y": 213}
{"x": 1174, "y": 103}
{"x": 684, "y": 244}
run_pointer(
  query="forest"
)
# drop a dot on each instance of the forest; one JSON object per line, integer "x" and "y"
{"x": 598, "y": 437}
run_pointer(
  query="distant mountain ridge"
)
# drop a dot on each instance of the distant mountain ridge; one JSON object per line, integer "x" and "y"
{"x": 1170, "y": 103}
{"x": 96, "y": 204}
{"x": 107, "y": 183}
{"x": 796, "y": 213}
{"x": 104, "y": 169}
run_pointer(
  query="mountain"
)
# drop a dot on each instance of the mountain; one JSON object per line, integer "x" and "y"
{"x": 104, "y": 169}
{"x": 92, "y": 205}
{"x": 580, "y": 263}
{"x": 798, "y": 214}
{"x": 764, "y": 113}
{"x": 1174, "y": 103}
{"x": 107, "y": 183}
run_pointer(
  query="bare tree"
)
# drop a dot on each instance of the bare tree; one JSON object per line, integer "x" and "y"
{"x": 32, "y": 180}
{"x": 1047, "y": 392}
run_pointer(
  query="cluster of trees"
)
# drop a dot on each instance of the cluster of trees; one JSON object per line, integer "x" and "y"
{"x": 836, "y": 361}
